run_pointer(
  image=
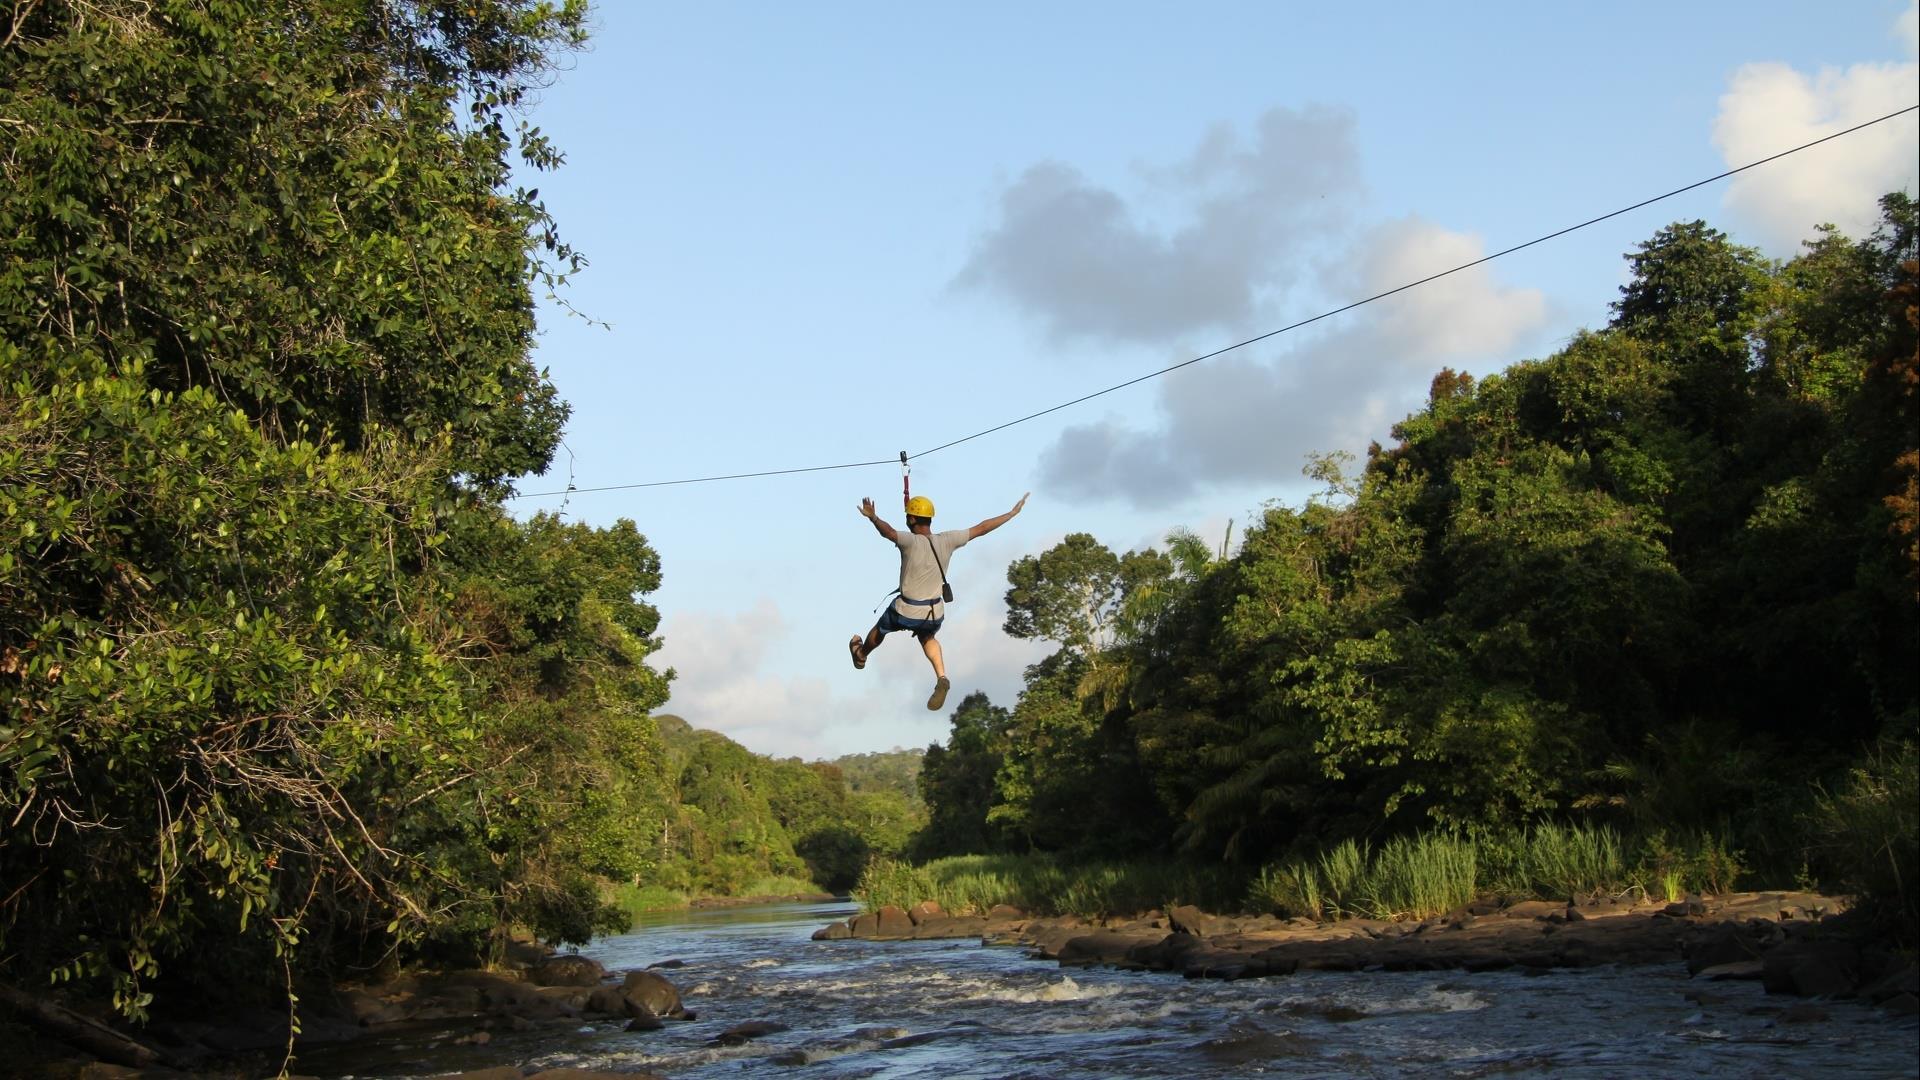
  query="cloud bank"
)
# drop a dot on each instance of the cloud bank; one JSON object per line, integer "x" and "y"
{"x": 1769, "y": 107}
{"x": 1086, "y": 263}
{"x": 724, "y": 682}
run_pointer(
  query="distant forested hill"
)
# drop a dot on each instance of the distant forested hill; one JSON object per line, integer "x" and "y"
{"x": 884, "y": 770}
{"x": 739, "y": 817}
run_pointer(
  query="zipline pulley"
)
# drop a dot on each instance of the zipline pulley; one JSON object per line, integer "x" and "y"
{"x": 906, "y": 489}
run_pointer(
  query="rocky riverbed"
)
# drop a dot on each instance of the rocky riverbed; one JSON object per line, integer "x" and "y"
{"x": 758, "y": 992}
{"x": 1793, "y": 943}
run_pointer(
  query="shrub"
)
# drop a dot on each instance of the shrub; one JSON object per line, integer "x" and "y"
{"x": 1867, "y": 835}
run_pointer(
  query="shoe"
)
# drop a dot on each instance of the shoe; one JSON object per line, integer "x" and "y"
{"x": 859, "y": 654}
{"x": 939, "y": 697}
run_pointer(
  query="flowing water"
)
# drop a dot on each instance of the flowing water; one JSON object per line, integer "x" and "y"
{"x": 941, "y": 1009}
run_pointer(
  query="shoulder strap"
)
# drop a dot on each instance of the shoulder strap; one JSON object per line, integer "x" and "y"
{"x": 936, "y": 558}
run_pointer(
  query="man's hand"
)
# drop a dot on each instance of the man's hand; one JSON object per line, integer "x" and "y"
{"x": 993, "y": 523}
{"x": 879, "y": 523}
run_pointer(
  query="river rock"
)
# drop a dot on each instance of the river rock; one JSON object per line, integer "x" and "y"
{"x": 1049, "y": 936}
{"x": 740, "y": 1034}
{"x": 1192, "y": 920}
{"x": 1719, "y": 946}
{"x": 890, "y": 922}
{"x": 513, "y": 1073}
{"x": 838, "y": 931}
{"x": 1168, "y": 953}
{"x": 1692, "y": 907}
{"x": 1103, "y": 947}
{"x": 1739, "y": 969}
{"x": 1812, "y": 969}
{"x": 1899, "y": 979}
{"x": 1534, "y": 909}
{"x": 1005, "y": 913}
{"x": 522, "y": 953}
{"x": 950, "y": 926}
{"x": 650, "y": 992}
{"x": 924, "y": 910}
{"x": 607, "y": 1001}
{"x": 567, "y": 971}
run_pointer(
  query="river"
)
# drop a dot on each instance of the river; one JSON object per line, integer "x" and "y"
{"x": 947, "y": 1009}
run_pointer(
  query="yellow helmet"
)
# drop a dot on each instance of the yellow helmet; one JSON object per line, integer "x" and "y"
{"x": 920, "y": 506}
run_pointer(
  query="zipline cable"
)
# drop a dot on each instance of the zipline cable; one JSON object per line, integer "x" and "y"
{"x": 570, "y": 489}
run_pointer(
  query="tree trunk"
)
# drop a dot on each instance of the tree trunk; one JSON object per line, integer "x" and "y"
{"x": 82, "y": 1032}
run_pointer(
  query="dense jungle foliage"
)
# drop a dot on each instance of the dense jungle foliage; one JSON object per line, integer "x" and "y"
{"x": 740, "y": 819}
{"x": 282, "y": 686}
{"x": 1662, "y": 581}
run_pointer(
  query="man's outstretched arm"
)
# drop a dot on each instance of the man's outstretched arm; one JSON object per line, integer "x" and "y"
{"x": 879, "y": 523}
{"x": 993, "y": 523}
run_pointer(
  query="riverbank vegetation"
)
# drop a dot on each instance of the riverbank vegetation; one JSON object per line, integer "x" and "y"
{"x": 1416, "y": 876}
{"x": 285, "y": 691}
{"x": 1638, "y": 614}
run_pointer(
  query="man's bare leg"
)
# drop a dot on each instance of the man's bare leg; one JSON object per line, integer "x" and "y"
{"x": 931, "y": 646}
{"x": 862, "y": 646}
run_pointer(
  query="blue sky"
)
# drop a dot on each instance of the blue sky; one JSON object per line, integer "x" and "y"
{"x": 825, "y": 234}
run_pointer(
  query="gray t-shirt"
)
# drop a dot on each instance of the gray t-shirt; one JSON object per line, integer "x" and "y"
{"x": 919, "y": 575}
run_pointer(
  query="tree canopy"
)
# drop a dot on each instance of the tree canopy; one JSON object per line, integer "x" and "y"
{"x": 1665, "y": 575}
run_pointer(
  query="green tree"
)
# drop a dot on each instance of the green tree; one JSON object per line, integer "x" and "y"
{"x": 957, "y": 781}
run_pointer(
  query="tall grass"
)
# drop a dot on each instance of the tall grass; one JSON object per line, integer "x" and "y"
{"x": 1417, "y": 877}
{"x": 1043, "y": 885}
{"x": 1867, "y": 835}
{"x": 637, "y": 900}
{"x": 1557, "y": 861}
{"x": 1411, "y": 877}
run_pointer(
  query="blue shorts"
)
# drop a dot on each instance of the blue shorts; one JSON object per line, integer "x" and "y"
{"x": 891, "y": 620}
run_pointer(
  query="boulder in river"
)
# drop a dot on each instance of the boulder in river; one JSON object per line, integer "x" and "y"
{"x": 889, "y": 923}
{"x": 567, "y": 971}
{"x": 650, "y": 992}
{"x": 740, "y": 1034}
{"x": 924, "y": 910}
{"x": 950, "y": 926}
{"x": 1812, "y": 969}
{"x": 892, "y": 922}
{"x": 1719, "y": 946}
{"x": 1192, "y": 920}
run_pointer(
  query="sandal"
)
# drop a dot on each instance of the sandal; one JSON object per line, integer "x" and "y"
{"x": 939, "y": 697}
{"x": 859, "y": 655}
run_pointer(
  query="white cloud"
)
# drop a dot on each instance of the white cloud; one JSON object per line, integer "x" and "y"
{"x": 724, "y": 682}
{"x": 1242, "y": 418}
{"x": 1087, "y": 263}
{"x": 1769, "y": 107}
{"x": 1463, "y": 315}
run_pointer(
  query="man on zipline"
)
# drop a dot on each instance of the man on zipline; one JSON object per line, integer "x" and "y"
{"x": 924, "y": 556}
